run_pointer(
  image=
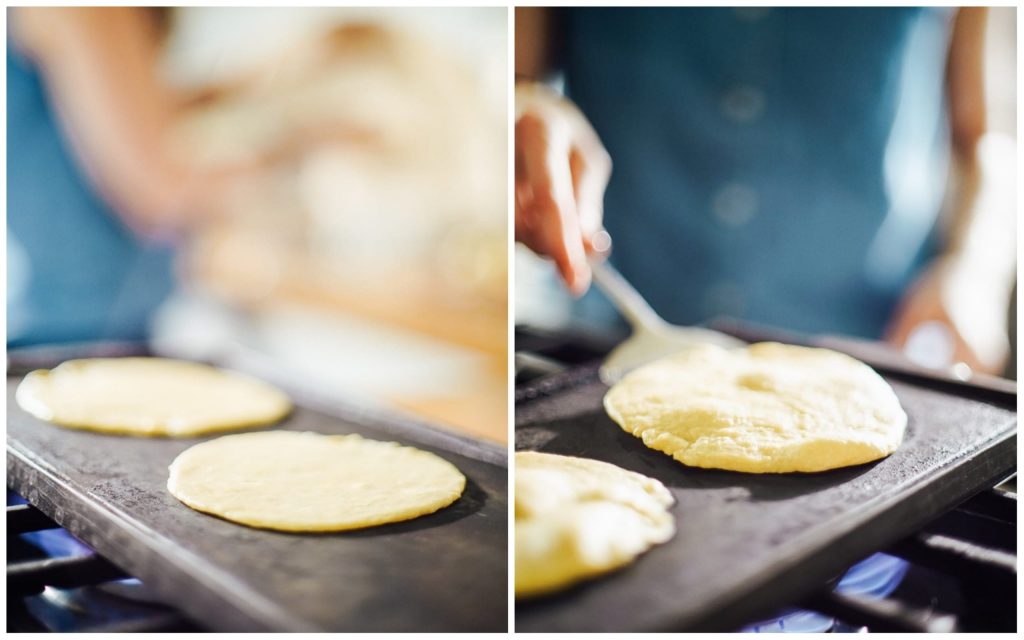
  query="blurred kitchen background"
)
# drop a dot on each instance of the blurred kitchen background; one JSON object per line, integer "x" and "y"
{"x": 542, "y": 302}
{"x": 362, "y": 251}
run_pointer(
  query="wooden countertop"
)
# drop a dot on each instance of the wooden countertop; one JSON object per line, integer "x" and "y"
{"x": 405, "y": 300}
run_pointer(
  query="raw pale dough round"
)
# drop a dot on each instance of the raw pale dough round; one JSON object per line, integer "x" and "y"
{"x": 149, "y": 397}
{"x": 294, "y": 481}
{"x": 766, "y": 408}
{"x": 577, "y": 518}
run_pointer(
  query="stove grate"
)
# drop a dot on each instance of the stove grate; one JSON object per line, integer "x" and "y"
{"x": 73, "y": 592}
{"x": 32, "y": 577}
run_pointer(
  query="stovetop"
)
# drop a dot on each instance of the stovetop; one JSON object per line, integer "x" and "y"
{"x": 957, "y": 572}
{"x": 56, "y": 583}
{"x": 111, "y": 492}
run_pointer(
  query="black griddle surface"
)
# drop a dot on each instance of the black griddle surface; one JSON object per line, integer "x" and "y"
{"x": 442, "y": 572}
{"x": 747, "y": 544}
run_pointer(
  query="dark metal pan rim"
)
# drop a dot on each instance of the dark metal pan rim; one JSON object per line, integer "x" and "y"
{"x": 250, "y": 602}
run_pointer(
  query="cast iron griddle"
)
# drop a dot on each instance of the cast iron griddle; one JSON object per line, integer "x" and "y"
{"x": 747, "y": 544}
{"x": 442, "y": 572}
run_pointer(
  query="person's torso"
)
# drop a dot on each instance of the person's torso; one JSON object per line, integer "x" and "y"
{"x": 780, "y": 166}
{"x": 75, "y": 272}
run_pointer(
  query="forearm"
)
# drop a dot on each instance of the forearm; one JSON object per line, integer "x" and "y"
{"x": 99, "y": 66}
{"x": 535, "y": 46}
{"x": 981, "y": 233}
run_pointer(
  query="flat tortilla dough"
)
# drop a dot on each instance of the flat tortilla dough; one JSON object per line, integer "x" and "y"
{"x": 767, "y": 408}
{"x": 292, "y": 481}
{"x": 149, "y": 397}
{"x": 577, "y": 518}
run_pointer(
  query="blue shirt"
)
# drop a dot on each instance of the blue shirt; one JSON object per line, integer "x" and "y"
{"x": 74, "y": 271}
{"x": 784, "y": 166}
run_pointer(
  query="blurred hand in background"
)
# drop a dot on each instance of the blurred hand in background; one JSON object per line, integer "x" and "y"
{"x": 101, "y": 71}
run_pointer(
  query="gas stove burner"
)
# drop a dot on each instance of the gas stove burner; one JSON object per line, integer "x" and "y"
{"x": 875, "y": 577}
{"x": 98, "y": 607}
{"x": 57, "y": 543}
{"x": 130, "y": 589}
{"x": 91, "y": 599}
{"x": 54, "y": 543}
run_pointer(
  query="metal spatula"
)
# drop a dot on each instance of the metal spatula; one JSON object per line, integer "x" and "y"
{"x": 652, "y": 337}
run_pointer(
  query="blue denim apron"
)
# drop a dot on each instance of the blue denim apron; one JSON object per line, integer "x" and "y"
{"x": 782, "y": 166}
{"x": 74, "y": 271}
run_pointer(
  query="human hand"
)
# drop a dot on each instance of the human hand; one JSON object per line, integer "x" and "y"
{"x": 951, "y": 296}
{"x": 562, "y": 170}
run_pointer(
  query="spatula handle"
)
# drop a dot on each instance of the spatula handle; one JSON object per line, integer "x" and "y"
{"x": 627, "y": 300}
